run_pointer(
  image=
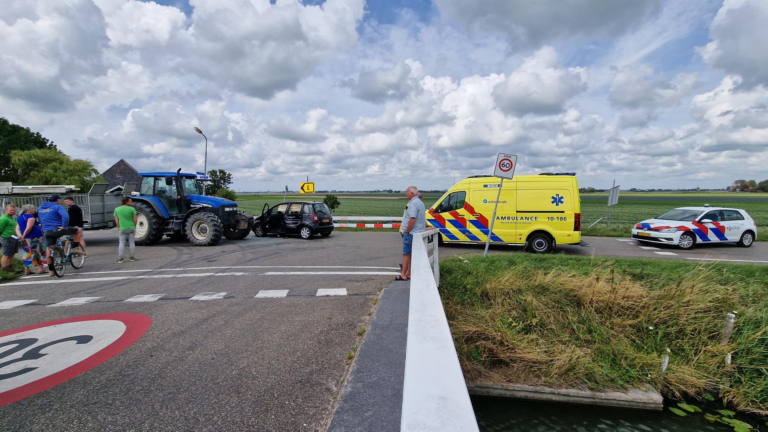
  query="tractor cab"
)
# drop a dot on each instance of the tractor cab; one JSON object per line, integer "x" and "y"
{"x": 174, "y": 204}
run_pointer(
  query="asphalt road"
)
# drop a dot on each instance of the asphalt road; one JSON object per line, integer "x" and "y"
{"x": 236, "y": 362}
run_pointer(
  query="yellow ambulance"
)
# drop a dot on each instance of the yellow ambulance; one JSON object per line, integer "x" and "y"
{"x": 539, "y": 211}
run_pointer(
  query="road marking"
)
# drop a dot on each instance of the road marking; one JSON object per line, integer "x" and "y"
{"x": 665, "y": 253}
{"x": 271, "y": 294}
{"x": 216, "y": 268}
{"x": 145, "y": 298}
{"x": 116, "y": 278}
{"x": 649, "y": 248}
{"x": 209, "y": 296}
{"x": 325, "y": 273}
{"x": 331, "y": 292}
{"x": 76, "y": 301}
{"x": 10, "y": 304}
{"x": 728, "y": 260}
{"x": 625, "y": 240}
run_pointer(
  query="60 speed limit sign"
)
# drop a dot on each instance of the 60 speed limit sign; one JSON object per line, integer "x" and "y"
{"x": 505, "y": 166}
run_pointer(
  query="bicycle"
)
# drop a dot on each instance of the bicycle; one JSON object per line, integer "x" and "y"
{"x": 60, "y": 258}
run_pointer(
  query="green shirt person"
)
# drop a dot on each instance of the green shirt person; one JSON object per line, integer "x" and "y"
{"x": 8, "y": 237}
{"x": 125, "y": 219}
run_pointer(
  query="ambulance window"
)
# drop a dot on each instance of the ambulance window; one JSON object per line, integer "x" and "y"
{"x": 732, "y": 215}
{"x": 454, "y": 201}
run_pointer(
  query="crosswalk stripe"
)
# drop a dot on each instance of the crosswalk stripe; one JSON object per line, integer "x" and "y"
{"x": 10, "y": 304}
{"x": 271, "y": 294}
{"x": 209, "y": 296}
{"x": 331, "y": 292}
{"x": 649, "y": 248}
{"x": 145, "y": 298}
{"x": 76, "y": 301}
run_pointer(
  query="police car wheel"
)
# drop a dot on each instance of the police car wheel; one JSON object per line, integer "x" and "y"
{"x": 540, "y": 243}
{"x": 746, "y": 239}
{"x": 686, "y": 241}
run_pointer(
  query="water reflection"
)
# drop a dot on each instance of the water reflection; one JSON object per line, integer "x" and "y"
{"x": 501, "y": 414}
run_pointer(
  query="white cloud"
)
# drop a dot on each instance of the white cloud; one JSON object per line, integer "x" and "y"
{"x": 533, "y": 23}
{"x": 736, "y": 31}
{"x": 539, "y": 85}
{"x": 384, "y": 84}
{"x": 644, "y": 94}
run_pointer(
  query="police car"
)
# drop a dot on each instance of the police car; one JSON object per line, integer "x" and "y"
{"x": 686, "y": 226}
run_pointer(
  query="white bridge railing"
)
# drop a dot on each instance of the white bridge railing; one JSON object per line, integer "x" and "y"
{"x": 435, "y": 396}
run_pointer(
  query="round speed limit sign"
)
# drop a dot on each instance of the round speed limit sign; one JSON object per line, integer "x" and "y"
{"x": 505, "y": 165}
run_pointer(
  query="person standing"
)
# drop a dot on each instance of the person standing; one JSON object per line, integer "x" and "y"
{"x": 31, "y": 237}
{"x": 125, "y": 219}
{"x": 55, "y": 221}
{"x": 8, "y": 238}
{"x": 416, "y": 222}
{"x": 75, "y": 217}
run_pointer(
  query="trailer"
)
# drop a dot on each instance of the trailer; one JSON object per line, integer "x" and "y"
{"x": 98, "y": 204}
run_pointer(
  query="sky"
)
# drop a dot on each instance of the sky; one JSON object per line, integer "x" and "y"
{"x": 384, "y": 94}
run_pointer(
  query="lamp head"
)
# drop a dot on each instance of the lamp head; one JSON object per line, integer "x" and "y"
{"x": 198, "y": 130}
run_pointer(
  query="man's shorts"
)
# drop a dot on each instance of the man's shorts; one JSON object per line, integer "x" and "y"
{"x": 407, "y": 244}
{"x": 10, "y": 246}
{"x": 53, "y": 235}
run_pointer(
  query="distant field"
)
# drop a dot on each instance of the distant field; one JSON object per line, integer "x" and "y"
{"x": 632, "y": 207}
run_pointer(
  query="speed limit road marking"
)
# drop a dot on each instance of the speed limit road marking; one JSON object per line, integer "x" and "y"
{"x": 38, "y": 357}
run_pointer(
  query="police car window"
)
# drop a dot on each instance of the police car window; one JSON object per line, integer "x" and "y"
{"x": 294, "y": 209}
{"x": 680, "y": 215}
{"x": 714, "y": 216}
{"x": 732, "y": 215}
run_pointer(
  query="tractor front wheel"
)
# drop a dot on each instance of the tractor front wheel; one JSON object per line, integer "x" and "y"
{"x": 149, "y": 225}
{"x": 204, "y": 229}
{"x": 236, "y": 234}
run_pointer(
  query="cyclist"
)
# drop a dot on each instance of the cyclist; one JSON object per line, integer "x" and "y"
{"x": 55, "y": 220}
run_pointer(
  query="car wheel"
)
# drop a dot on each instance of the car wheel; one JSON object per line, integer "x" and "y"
{"x": 259, "y": 231}
{"x": 540, "y": 243}
{"x": 305, "y": 232}
{"x": 686, "y": 241}
{"x": 746, "y": 239}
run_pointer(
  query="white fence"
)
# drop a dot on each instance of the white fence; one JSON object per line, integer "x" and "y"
{"x": 367, "y": 218}
{"x": 435, "y": 396}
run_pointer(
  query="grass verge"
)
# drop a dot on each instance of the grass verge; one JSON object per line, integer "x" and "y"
{"x": 10, "y": 277}
{"x": 601, "y": 323}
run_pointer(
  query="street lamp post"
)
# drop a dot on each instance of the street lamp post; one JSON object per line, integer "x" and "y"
{"x": 205, "y": 168}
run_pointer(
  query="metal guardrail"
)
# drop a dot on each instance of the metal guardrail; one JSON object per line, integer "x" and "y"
{"x": 367, "y": 218}
{"x": 435, "y": 396}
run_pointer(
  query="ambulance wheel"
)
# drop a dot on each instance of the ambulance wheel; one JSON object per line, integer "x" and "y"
{"x": 686, "y": 241}
{"x": 540, "y": 243}
{"x": 746, "y": 239}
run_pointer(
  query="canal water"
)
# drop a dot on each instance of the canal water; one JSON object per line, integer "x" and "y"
{"x": 502, "y": 414}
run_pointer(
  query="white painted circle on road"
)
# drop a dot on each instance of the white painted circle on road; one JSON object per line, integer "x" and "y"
{"x": 38, "y": 357}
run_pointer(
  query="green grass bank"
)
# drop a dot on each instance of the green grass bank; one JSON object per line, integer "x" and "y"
{"x": 597, "y": 323}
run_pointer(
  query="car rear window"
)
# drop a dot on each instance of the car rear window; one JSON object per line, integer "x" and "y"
{"x": 321, "y": 208}
{"x": 680, "y": 215}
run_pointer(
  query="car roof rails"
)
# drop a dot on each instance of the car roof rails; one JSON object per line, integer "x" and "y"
{"x": 560, "y": 174}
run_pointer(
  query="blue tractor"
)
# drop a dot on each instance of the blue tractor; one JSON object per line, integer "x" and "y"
{"x": 174, "y": 205}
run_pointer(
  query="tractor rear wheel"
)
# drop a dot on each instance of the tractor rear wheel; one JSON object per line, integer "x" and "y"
{"x": 236, "y": 234}
{"x": 149, "y": 225}
{"x": 204, "y": 229}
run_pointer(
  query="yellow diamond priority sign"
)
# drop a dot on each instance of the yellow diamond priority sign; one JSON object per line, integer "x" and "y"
{"x": 307, "y": 188}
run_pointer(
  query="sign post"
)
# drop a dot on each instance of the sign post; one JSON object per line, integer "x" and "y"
{"x": 504, "y": 169}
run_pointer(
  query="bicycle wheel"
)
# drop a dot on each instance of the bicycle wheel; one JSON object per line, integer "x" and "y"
{"x": 58, "y": 263}
{"x": 76, "y": 259}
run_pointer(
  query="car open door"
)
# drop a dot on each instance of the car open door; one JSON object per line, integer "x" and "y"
{"x": 276, "y": 222}
{"x": 293, "y": 218}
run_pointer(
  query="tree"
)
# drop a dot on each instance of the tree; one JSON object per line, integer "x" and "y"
{"x": 16, "y": 138}
{"x": 763, "y": 186}
{"x": 332, "y": 202}
{"x": 51, "y": 167}
{"x": 227, "y": 194}
{"x": 220, "y": 179}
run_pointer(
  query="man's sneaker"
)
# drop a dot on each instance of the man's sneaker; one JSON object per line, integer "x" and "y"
{"x": 119, "y": 261}
{"x": 51, "y": 273}
{"x": 131, "y": 259}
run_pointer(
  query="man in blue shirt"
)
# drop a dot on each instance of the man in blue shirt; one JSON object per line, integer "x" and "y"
{"x": 415, "y": 222}
{"x": 55, "y": 221}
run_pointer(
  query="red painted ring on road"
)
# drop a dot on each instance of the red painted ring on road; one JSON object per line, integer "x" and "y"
{"x": 135, "y": 327}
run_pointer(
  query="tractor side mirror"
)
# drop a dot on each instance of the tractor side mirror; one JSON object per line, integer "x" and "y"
{"x": 169, "y": 181}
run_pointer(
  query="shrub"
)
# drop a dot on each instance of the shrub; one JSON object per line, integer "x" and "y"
{"x": 332, "y": 202}
{"x": 227, "y": 194}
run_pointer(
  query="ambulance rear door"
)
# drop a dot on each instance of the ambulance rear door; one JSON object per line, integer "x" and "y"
{"x": 546, "y": 206}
